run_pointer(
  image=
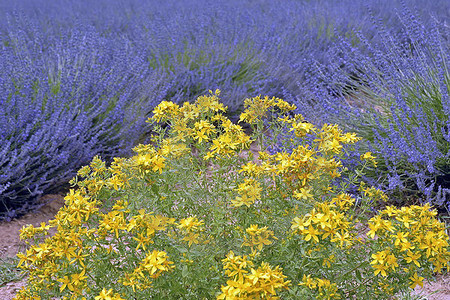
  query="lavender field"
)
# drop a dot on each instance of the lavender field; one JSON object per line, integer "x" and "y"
{"x": 229, "y": 150}
{"x": 79, "y": 79}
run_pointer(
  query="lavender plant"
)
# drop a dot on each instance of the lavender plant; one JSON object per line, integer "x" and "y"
{"x": 395, "y": 94}
{"x": 98, "y": 68}
{"x": 57, "y": 111}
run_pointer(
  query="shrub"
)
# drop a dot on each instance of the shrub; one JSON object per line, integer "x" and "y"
{"x": 60, "y": 110}
{"x": 193, "y": 215}
{"x": 395, "y": 94}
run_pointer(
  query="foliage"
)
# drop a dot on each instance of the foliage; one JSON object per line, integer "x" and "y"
{"x": 196, "y": 215}
{"x": 59, "y": 110}
{"x": 9, "y": 271}
{"x": 394, "y": 93}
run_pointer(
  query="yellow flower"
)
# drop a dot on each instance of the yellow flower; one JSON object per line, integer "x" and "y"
{"x": 73, "y": 196}
{"x": 190, "y": 224}
{"x": 27, "y": 232}
{"x": 208, "y": 156}
{"x": 369, "y": 157}
{"x": 333, "y": 145}
{"x": 343, "y": 201}
{"x": 284, "y": 106}
{"x": 158, "y": 163}
{"x": 379, "y": 258}
{"x": 258, "y": 237}
{"x": 308, "y": 281}
{"x": 321, "y": 219}
{"x": 113, "y": 222}
{"x": 249, "y": 191}
{"x": 143, "y": 240}
{"x": 416, "y": 280}
{"x": 155, "y": 263}
{"x": 391, "y": 261}
{"x": 382, "y": 261}
{"x": 342, "y": 238}
{"x": 400, "y": 238}
{"x": 407, "y": 246}
{"x": 413, "y": 258}
{"x": 260, "y": 283}
{"x": 302, "y": 128}
{"x": 79, "y": 256}
{"x": 201, "y": 136}
{"x": 298, "y": 225}
{"x": 204, "y": 125}
{"x": 76, "y": 280}
{"x": 250, "y": 169}
{"x": 303, "y": 193}
{"x": 380, "y": 269}
{"x": 350, "y": 138}
{"x": 430, "y": 243}
{"x": 108, "y": 295}
{"x": 150, "y": 161}
{"x": 377, "y": 224}
{"x": 390, "y": 211}
{"x": 97, "y": 166}
{"x": 66, "y": 283}
{"x": 311, "y": 233}
{"x": 256, "y": 108}
{"x": 236, "y": 265}
{"x": 191, "y": 238}
{"x": 115, "y": 182}
{"x": 164, "y": 111}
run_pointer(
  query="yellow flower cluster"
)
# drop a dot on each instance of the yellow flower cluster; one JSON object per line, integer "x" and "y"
{"x": 343, "y": 201}
{"x": 257, "y": 108}
{"x": 61, "y": 261}
{"x": 369, "y": 157}
{"x": 149, "y": 159}
{"x": 248, "y": 283}
{"x": 145, "y": 225}
{"x": 300, "y": 127}
{"x": 249, "y": 191}
{"x": 325, "y": 289}
{"x": 107, "y": 246}
{"x": 96, "y": 176}
{"x": 413, "y": 238}
{"x": 201, "y": 122}
{"x": 151, "y": 267}
{"x": 373, "y": 193}
{"x": 326, "y": 221}
{"x": 190, "y": 229}
{"x": 331, "y": 138}
{"x": 166, "y": 111}
{"x": 307, "y": 166}
{"x": 230, "y": 142}
{"x": 108, "y": 295}
{"x": 258, "y": 237}
{"x": 382, "y": 261}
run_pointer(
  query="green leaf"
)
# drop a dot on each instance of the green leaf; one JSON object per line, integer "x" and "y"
{"x": 358, "y": 275}
{"x": 181, "y": 249}
{"x": 155, "y": 189}
{"x": 184, "y": 271}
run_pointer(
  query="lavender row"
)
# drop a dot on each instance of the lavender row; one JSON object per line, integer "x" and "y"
{"x": 79, "y": 78}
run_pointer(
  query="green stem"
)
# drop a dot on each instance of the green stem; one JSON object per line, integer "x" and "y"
{"x": 356, "y": 287}
{"x": 354, "y": 269}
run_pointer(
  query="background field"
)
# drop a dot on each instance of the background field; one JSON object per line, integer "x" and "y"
{"x": 80, "y": 78}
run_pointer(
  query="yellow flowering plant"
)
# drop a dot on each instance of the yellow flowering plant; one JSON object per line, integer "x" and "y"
{"x": 198, "y": 214}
